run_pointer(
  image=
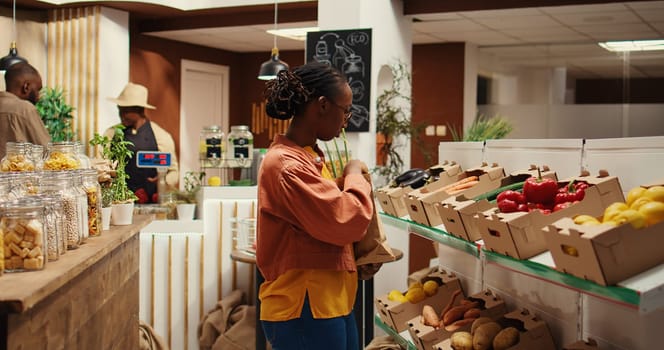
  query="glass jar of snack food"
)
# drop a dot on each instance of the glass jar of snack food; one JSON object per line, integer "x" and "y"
{"x": 211, "y": 146}
{"x": 240, "y": 150}
{"x": 92, "y": 191}
{"x": 62, "y": 156}
{"x": 24, "y": 241}
{"x": 62, "y": 183}
{"x": 17, "y": 158}
{"x": 52, "y": 225}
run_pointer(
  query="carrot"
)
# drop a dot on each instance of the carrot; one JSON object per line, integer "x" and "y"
{"x": 462, "y": 187}
{"x": 459, "y": 182}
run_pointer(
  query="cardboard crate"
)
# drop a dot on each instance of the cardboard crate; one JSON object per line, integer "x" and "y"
{"x": 604, "y": 254}
{"x": 591, "y": 344}
{"x": 391, "y": 199}
{"x": 425, "y": 337}
{"x": 420, "y": 203}
{"x": 396, "y": 314}
{"x": 520, "y": 234}
{"x": 534, "y": 333}
{"x": 458, "y": 212}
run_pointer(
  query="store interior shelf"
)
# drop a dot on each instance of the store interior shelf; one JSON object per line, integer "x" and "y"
{"x": 403, "y": 338}
{"x": 432, "y": 233}
{"x": 644, "y": 292}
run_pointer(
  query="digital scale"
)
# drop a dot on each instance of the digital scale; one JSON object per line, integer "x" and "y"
{"x": 159, "y": 160}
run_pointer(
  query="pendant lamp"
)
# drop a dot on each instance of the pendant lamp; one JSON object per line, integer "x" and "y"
{"x": 274, "y": 65}
{"x": 12, "y": 57}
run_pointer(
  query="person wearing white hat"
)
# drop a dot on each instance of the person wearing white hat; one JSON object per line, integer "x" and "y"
{"x": 146, "y": 135}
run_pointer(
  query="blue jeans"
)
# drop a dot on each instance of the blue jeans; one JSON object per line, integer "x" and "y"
{"x": 307, "y": 333}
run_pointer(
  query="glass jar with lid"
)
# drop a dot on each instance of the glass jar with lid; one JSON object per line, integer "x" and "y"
{"x": 169, "y": 201}
{"x": 82, "y": 156}
{"x": 211, "y": 146}
{"x": 240, "y": 149}
{"x": 24, "y": 241}
{"x": 17, "y": 158}
{"x": 63, "y": 183}
{"x": 77, "y": 178}
{"x": 92, "y": 191}
{"x": 37, "y": 154}
{"x": 55, "y": 246}
{"x": 62, "y": 156}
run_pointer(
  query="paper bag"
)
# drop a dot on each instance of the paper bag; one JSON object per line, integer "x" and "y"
{"x": 373, "y": 247}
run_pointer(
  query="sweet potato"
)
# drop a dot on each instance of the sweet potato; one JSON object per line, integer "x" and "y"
{"x": 451, "y": 302}
{"x": 456, "y": 325}
{"x": 478, "y": 322}
{"x": 461, "y": 341}
{"x": 484, "y": 334}
{"x": 430, "y": 317}
{"x": 456, "y": 313}
{"x": 472, "y": 313}
{"x": 506, "y": 338}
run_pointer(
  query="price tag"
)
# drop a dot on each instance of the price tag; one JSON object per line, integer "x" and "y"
{"x": 153, "y": 159}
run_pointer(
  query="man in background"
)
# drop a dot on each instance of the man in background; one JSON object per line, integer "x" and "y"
{"x": 19, "y": 119}
{"x": 146, "y": 135}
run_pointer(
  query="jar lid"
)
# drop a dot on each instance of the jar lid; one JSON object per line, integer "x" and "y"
{"x": 240, "y": 127}
{"x": 212, "y": 128}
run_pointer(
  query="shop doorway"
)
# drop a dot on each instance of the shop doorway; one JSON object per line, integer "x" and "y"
{"x": 204, "y": 102}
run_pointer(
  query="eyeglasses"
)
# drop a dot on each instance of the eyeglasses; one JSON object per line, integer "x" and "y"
{"x": 347, "y": 112}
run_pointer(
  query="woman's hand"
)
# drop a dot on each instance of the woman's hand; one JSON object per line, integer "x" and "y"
{"x": 355, "y": 166}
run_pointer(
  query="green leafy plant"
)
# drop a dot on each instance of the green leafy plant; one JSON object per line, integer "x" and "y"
{"x": 56, "y": 114}
{"x": 193, "y": 181}
{"x": 483, "y": 128}
{"x": 116, "y": 150}
{"x": 393, "y": 120}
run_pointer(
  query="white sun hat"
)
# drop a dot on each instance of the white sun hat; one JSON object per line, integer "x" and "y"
{"x": 133, "y": 95}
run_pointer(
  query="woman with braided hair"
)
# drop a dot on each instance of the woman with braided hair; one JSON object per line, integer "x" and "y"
{"x": 306, "y": 224}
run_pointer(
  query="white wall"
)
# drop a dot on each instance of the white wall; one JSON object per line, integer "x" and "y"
{"x": 113, "y": 64}
{"x": 30, "y": 40}
{"x": 581, "y": 121}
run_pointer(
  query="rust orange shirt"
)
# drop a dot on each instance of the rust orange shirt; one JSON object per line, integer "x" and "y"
{"x": 306, "y": 227}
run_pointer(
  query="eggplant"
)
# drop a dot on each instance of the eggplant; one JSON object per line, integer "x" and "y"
{"x": 421, "y": 179}
{"x": 408, "y": 175}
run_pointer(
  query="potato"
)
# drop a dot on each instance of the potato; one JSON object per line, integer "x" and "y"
{"x": 461, "y": 341}
{"x": 506, "y": 338}
{"x": 484, "y": 334}
{"x": 478, "y": 322}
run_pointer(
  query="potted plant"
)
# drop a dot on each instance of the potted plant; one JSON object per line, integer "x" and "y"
{"x": 193, "y": 181}
{"x": 116, "y": 151}
{"x": 483, "y": 128}
{"x": 393, "y": 124}
{"x": 56, "y": 114}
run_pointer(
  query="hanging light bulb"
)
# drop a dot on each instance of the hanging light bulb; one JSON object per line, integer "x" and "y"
{"x": 274, "y": 65}
{"x": 12, "y": 57}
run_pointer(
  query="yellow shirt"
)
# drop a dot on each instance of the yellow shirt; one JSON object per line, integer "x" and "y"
{"x": 331, "y": 293}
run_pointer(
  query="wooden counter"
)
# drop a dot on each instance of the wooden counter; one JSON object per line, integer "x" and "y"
{"x": 88, "y": 299}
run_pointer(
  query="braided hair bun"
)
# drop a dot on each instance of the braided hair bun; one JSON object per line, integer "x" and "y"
{"x": 289, "y": 92}
{"x": 284, "y": 94}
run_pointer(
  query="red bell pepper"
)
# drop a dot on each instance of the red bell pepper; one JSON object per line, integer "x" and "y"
{"x": 539, "y": 190}
{"x": 142, "y": 196}
{"x": 507, "y": 206}
{"x": 516, "y": 196}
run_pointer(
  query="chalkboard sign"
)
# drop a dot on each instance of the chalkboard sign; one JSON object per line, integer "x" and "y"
{"x": 350, "y": 52}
